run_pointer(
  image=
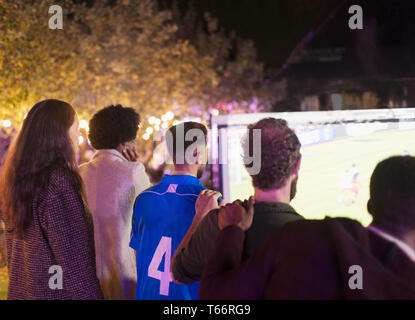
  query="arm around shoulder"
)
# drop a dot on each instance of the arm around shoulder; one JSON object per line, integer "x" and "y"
{"x": 190, "y": 260}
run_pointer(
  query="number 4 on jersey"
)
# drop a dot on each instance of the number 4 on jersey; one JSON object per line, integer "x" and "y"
{"x": 163, "y": 248}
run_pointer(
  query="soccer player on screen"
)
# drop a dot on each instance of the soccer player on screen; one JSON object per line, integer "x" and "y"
{"x": 355, "y": 188}
{"x": 349, "y": 185}
{"x": 163, "y": 214}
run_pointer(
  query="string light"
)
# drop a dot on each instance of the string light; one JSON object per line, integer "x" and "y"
{"x": 215, "y": 112}
{"x": 7, "y": 123}
{"x": 152, "y": 120}
{"x": 149, "y": 130}
{"x": 169, "y": 115}
{"x": 83, "y": 124}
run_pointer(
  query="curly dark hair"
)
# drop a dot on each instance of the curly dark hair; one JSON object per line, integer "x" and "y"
{"x": 280, "y": 152}
{"x": 392, "y": 195}
{"x": 113, "y": 126}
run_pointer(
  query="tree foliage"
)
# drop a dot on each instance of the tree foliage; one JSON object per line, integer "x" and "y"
{"x": 129, "y": 53}
{"x": 242, "y": 78}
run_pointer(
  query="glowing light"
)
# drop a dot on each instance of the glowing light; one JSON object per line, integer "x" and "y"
{"x": 157, "y": 127}
{"x": 152, "y": 120}
{"x": 80, "y": 140}
{"x": 146, "y": 136}
{"x": 168, "y": 116}
{"x": 157, "y": 121}
{"x": 214, "y": 112}
{"x": 83, "y": 124}
{"x": 198, "y": 120}
{"x": 175, "y": 122}
{"x": 7, "y": 123}
{"x": 164, "y": 125}
{"x": 149, "y": 130}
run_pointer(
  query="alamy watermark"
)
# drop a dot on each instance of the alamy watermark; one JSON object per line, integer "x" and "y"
{"x": 56, "y": 20}
{"x": 56, "y": 280}
{"x": 356, "y": 20}
{"x": 196, "y": 151}
{"x": 356, "y": 280}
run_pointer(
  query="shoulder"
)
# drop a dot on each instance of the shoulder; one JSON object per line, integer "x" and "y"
{"x": 306, "y": 233}
{"x": 85, "y": 170}
{"x": 150, "y": 191}
{"x": 62, "y": 179}
{"x": 208, "y": 227}
{"x": 138, "y": 173}
{"x": 83, "y": 167}
{"x": 304, "y": 226}
{"x": 61, "y": 176}
{"x": 190, "y": 189}
{"x": 324, "y": 226}
{"x": 147, "y": 194}
{"x": 134, "y": 166}
{"x": 211, "y": 219}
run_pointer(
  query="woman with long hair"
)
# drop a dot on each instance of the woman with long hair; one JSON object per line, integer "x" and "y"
{"x": 49, "y": 231}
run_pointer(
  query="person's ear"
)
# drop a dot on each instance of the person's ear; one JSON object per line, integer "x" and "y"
{"x": 199, "y": 157}
{"x": 297, "y": 167}
{"x": 196, "y": 157}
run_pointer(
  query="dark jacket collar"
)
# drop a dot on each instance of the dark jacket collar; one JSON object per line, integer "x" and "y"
{"x": 274, "y": 207}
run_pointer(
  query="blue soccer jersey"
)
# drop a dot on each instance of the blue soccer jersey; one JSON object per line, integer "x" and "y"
{"x": 162, "y": 216}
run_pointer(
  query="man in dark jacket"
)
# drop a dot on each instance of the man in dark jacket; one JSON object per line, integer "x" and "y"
{"x": 327, "y": 259}
{"x": 274, "y": 172}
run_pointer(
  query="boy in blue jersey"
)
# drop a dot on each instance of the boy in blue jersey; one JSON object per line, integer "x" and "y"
{"x": 163, "y": 214}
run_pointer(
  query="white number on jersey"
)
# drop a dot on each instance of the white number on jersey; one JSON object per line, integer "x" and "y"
{"x": 163, "y": 248}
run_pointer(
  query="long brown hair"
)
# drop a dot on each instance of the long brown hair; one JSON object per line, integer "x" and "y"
{"x": 42, "y": 145}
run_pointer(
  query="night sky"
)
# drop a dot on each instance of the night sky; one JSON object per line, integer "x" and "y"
{"x": 276, "y": 26}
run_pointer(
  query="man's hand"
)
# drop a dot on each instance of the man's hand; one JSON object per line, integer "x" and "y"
{"x": 206, "y": 202}
{"x": 130, "y": 154}
{"x": 236, "y": 213}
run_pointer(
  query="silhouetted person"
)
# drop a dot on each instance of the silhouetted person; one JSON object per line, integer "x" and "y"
{"x": 334, "y": 258}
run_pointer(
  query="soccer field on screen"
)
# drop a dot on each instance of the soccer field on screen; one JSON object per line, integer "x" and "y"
{"x": 319, "y": 191}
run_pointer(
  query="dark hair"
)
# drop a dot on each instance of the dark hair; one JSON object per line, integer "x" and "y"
{"x": 180, "y": 131}
{"x": 392, "y": 194}
{"x": 42, "y": 145}
{"x": 280, "y": 152}
{"x": 113, "y": 126}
